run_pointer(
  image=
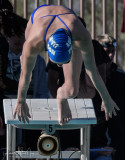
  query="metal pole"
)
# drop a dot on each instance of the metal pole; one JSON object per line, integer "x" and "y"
{"x": 25, "y": 8}
{"x": 116, "y": 27}
{"x": 13, "y": 145}
{"x": 47, "y": 1}
{"x": 88, "y": 141}
{"x": 104, "y": 16}
{"x": 82, "y": 8}
{"x": 36, "y": 3}
{"x": 9, "y": 142}
{"x": 14, "y": 6}
{"x": 93, "y": 18}
{"x": 71, "y": 4}
{"x": 59, "y": 2}
{"x": 81, "y": 143}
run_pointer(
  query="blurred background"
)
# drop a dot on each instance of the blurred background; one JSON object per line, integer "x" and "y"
{"x": 101, "y": 16}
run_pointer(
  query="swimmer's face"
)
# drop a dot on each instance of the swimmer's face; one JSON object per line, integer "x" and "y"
{"x": 110, "y": 51}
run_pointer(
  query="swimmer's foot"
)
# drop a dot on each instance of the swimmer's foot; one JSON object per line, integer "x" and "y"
{"x": 64, "y": 112}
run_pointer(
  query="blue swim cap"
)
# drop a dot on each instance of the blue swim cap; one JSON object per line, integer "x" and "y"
{"x": 60, "y": 46}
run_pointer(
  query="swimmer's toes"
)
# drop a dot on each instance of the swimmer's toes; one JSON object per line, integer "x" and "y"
{"x": 60, "y": 123}
{"x": 65, "y": 120}
{"x": 70, "y": 118}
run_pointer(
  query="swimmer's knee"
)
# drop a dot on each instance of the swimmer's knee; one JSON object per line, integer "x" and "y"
{"x": 68, "y": 91}
{"x": 73, "y": 92}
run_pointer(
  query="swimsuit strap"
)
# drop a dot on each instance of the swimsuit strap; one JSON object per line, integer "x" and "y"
{"x": 59, "y": 19}
{"x": 53, "y": 17}
{"x": 36, "y": 10}
{"x": 65, "y": 25}
{"x": 49, "y": 5}
{"x": 71, "y": 11}
{"x": 47, "y": 30}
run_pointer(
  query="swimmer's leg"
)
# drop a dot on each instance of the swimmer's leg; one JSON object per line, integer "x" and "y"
{"x": 70, "y": 87}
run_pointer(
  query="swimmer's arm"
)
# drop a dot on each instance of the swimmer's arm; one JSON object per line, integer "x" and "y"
{"x": 28, "y": 27}
{"x": 28, "y": 63}
{"x": 89, "y": 60}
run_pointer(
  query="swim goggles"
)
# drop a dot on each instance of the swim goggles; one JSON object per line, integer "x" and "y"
{"x": 114, "y": 44}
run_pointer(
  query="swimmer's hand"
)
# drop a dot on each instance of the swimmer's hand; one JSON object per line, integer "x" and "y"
{"x": 22, "y": 111}
{"x": 109, "y": 108}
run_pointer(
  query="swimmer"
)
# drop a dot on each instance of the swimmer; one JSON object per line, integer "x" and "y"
{"x": 58, "y": 30}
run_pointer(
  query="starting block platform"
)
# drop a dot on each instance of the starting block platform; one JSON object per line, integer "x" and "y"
{"x": 44, "y": 115}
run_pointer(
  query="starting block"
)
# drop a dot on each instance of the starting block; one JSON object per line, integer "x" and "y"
{"x": 44, "y": 115}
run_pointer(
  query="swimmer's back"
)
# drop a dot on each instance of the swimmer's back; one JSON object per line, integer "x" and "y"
{"x": 42, "y": 18}
{"x": 39, "y": 19}
{"x": 53, "y": 10}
